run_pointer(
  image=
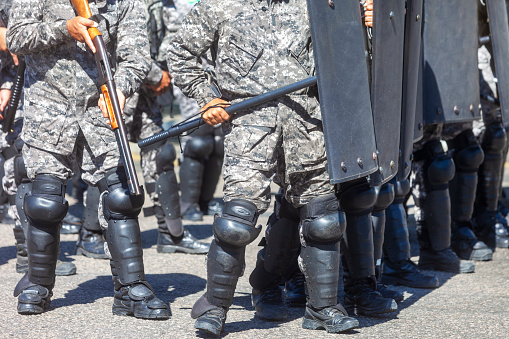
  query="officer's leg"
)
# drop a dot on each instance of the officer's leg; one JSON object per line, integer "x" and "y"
{"x": 488, "y": 228}
{"x": 133, "y": 294}
{"x": 172, "y": 237}
{"x": 211, "y": 175}
{"x": 233, "y": 231}
{"x": 398, "y": 269}
{"x": 468, "y": 156}
{"x": 45, "y": 208}
{"x": 276, "y": 261}
{"x": 357, "y": 200}
{"x": 198, "y": 148}
{"x": 435, "y": 168}
{"x": 91, "y": 240}
{"x": 385, "y": 196}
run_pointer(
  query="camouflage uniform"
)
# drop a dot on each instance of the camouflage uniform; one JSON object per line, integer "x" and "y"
{"x": 63, "y": 126}
{"x": 259, "y": 47}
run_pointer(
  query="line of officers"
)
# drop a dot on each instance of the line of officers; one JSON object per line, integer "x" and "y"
{"x": 453, "y": 171}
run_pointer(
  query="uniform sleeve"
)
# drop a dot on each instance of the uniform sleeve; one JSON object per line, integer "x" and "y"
{"x": 28, "y": 34}
{"x": 133, "y": 58}
{"x": 199, "y": 31}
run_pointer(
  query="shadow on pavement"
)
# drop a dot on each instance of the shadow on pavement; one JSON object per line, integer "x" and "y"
{"x": 7, "y": 253}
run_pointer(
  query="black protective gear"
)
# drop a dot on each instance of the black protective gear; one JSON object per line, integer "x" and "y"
{"x": 358, "y": 201}
{"x": 406, "y": 273}
{"x": 362, "y": 298}
{"x": 212, "y": 171}
{"x": 396, "y": 245}
{"x": 333, "y": 319}
{"x": 21, "y": 247}
{"x": 295, "y": 289}
{"x": 91, "y": 244}
{"x": 268, "y": 302}
{"x": 45, "y": 208}
{"x": 90, "y": 213}
{"x": 389, "y": 294}
{"x": 445, "y": 260}
{"x": 323, "y": 225}
{"x": 197, "y": 149}
{"x": 32, "y": 298}
{"x": 166, "y": 187}
{"x": 184, "y": 244}
{"x": 209, "y": 318}
{"x": 385, "y": 196}
{"x": 233, "y": 231}
{"x": 281, "y": 246}
{"x": 439, "y": 169}
{"x": 20, "y": 170}
{"x": 123, "y": 233}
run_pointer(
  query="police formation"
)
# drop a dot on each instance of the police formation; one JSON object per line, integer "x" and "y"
{"x": 410, "y": 99}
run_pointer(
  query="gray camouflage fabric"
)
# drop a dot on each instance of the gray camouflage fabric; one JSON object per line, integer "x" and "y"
{"x": 260, "y": 46}
{"x": 7, "y": 72}
{"x": 62, "y": 120}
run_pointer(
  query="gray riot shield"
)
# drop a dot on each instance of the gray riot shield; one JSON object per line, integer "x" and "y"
{"x": 450, "y": 73}
{"x": 411, "y": 67}
{"x": 340, "y": 58}
{"x": 386, "y": 84}
{"x": 499, "y": 32}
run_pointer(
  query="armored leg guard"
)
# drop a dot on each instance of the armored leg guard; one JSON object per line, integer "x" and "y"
{"x": 468, "y": 156}
{"x": 233, "y": 231}
{"x": 45, "y": 208}
{"x": 323, "y": 226}
{"x": 133, "y": 295}
{"x": 196, "y": 152}
{"x": 275, "y": 261}
{"x": 21, "y": 247}
{"x": 211, "y": 175}
{"x": 361, "y": 296}
{"x": 398, "y": 269}
{"x": 91, "y": 240}
{"x": 488, "y": 228}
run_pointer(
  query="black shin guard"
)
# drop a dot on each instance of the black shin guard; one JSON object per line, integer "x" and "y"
{"x": 233, "y": 231}
{"x": 396, "y": 245}
{"x": 357, "y": 201}
{"x": 385, "y": 196}
{"x": 191, "y": 170}
{"x": 45, "y": 209}
{"x": 123, "y": 233}
{"x": 323, "y": 226}
{"x": 212, "y": 170}
{"x": 90, "y": 213}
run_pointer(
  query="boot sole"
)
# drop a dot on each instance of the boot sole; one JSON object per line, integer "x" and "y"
{"x": 206, "y": 327}
{"x": 310, "y": 324}
{"x": 481, "y": 257}
{"x": 81, "y": 251}
{"x": 432, "y": 267}
{"x": 28, "y": 309}
{"x": 122, "y": 311}
{"x": 395, "y": 282}
{"x": 178, "y": 249}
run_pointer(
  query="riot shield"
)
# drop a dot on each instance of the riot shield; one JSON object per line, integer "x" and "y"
{"x": 499, "y": 32}
{"x": 340, "y": 58}
{"x": 411, "y": 66}
{"x": 450, "y": 73}
{"x": 386, "y": 84}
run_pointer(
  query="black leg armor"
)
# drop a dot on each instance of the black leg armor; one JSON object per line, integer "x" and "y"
{"x": 90, "y": 215}
{"x": 358, "y": 201}
{"x": 91, "y": 239}
{"x": 439, "y": 169}
{"x": 123, "y": 233}
{"x": 168, "y": 214}
{"x": 45, "y": 208}
{"x": 212, "y": 170}
{"x": 323, "y": 225}
{"x": 197, "y": 150}
{"x": 385, "y": 196}
{"x": 233, "y": 231}
{"x": 281, "y": 246}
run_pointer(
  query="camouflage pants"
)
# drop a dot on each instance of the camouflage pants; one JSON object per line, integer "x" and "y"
{"x": 143, "y": 119}
{"x": 92, "y": 168}
{"x": 295, "y": 154}
{"x": 417, "y": 177}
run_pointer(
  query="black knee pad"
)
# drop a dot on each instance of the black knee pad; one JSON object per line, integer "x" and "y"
{"x": 358, "y": 199}
{"x": 440, "y": 167}
{"x": 218, "y": 146}
{"x": 118, "y": 203}
{"x": 385, "y": 196}
{"x": 401, "y": 190}
{"x": 322, "y": 221}
{"x": 46, "y": 205}
{"x": 199, "y": 147}
{"x": 236, "y": 227}
{"x": 494, "y": 139}
{"x": 165, "y": 158}
{"x": 468, "y": 154}
{"x": 20, "y": 170}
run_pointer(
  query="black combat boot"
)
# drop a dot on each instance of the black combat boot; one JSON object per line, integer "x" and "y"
{"x": 406, "y": 273}
{"x": 295, "y": 290}
{"x": 193, "y": 213}
{"x": 70, "y": 225}
{"x": 209, "y": 318}
{"x": 490, "y": 230}
{"x": 466, "y": 245}
{"x": 91, "y": 244}
{"x": 362, "y": 298}
{"x": 332, "y": 319}
{"x": 166, "y": 243}
{"x": 268, "y": 302}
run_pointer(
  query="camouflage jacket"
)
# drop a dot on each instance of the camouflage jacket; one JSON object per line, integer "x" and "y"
{"x": 61, "y": 80}
{"x": 259, "y": 46}
{"x": 7, "y": 72}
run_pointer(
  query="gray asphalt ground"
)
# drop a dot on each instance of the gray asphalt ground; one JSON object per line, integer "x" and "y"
{"x": 465, "y": 306}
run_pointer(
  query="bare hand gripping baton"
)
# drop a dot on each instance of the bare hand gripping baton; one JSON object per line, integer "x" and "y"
{"x": 248, "y": 103}
{"x": 108, "y": 89}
